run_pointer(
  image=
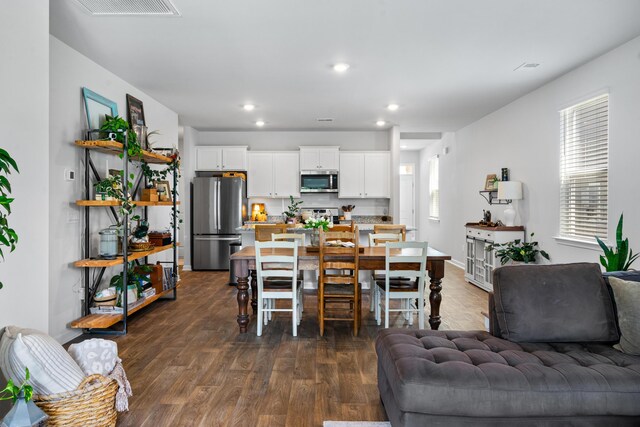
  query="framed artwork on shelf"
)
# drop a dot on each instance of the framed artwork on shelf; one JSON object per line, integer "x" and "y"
{"x": 489, "y": 182}
{"x": 164, "y": 191}
{"x": 97, "y": 107}
{"x": 135, "y": 111}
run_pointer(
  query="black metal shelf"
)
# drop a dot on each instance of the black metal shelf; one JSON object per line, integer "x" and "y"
{"x": 491, "y": 196}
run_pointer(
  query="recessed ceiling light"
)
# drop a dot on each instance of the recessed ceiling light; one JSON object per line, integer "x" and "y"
{"x": 381, "y": 123}
{"x": 260, "y": 123}
{"x": 341, "y": 67}
{"x": 392, "y": 107}
{"x": 403, "y": 146}
{"x": 248, "y": 107}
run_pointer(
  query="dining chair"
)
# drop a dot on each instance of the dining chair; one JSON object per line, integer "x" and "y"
{"x": 277, "y": 274}
{"x": 291, "y": 237}
{"x": 337, "y": 290}
{"x": 344, "y": 227}
{"x": 265, "y": 231}
{"x": 391, "y": 228}
{"x": 379, "y": 239}
{"x": 403, "y": 260}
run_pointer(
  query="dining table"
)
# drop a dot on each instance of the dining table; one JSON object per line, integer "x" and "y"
{"x": 370, "y": 258}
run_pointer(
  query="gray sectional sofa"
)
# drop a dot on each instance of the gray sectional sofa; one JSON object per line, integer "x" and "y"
{"x": 548, "y": 360}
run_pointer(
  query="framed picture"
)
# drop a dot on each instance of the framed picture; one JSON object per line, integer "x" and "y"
{"x": 135, "y": 111}
{"x": 164, "y": 191}
{"x": 488, "y": 183}
{"x": 97, "y": 107}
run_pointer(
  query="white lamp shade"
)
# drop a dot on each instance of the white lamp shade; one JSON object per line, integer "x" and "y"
{"x": 509, "y": 190}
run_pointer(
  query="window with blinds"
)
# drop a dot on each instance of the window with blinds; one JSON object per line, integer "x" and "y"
{"x": 584, "y": 169}
{"x": 434, "y": 188}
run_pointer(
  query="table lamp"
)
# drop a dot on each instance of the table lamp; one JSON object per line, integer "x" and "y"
{"x": 509, "y": 191}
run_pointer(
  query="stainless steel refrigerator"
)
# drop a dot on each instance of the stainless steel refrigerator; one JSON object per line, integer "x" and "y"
{"x": 219, "y": 206}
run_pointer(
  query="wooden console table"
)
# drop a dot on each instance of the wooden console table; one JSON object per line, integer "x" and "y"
{"x": 373, "y": 258}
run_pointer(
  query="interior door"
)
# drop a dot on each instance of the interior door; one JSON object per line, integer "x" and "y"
{"x": 407, "y": 200}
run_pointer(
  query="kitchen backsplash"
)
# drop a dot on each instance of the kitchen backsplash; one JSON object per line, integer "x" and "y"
{"x": 366, "y": 207}
{"x": 359, "y": 219}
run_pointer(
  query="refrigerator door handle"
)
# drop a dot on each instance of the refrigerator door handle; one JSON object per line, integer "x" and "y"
{"x": 217, "y": 238}
{"x": 218, "y": 205}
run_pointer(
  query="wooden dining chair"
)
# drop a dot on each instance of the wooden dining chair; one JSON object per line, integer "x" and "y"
{"x": 406, "y": 260}
{"x": 337, "y": 290}
{"x": 391, "y": 228}
{"x": 289, "y": 237}
{"x": 265, "y": 231}
{"x": 379, "y": 239}
{"x": 277, "y": 274}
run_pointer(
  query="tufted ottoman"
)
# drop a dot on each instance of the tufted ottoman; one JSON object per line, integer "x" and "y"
{"x": 474, "y": 378}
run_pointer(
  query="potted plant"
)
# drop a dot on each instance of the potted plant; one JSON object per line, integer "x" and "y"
{"x": 620, "y": 258}
{"x": 116, "y": 125}
{"x": 109, "y": 188}
{"x": 8, "y": 236}
{"x": 518, "y": 251}
{"x": 316, "y": 224}
{"x": 292, "y": 210}
{"x": 24, "y": 412}
{"x": 136, "y": 278}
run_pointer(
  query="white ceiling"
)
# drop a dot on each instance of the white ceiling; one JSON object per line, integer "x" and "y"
{"x": 446, "y": 63}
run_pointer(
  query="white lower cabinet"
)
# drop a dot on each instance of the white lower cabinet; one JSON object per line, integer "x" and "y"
{"x": 273, "y": 174}
{"x": 480, "y": 262}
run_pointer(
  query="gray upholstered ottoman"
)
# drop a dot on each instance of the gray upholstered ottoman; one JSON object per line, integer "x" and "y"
{"x": 474, "y": 378}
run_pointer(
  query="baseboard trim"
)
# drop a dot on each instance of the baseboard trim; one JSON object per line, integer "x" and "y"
{"x": 186, "y": 267}
{"x": 456, "y": 263}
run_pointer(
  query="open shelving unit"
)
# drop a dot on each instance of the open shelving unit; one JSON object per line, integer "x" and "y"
{"x": 102, "y": 323}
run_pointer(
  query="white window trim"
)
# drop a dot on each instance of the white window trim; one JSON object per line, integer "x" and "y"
{"x": 434, "y": 217}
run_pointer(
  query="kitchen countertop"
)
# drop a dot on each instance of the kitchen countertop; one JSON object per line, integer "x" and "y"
{"x": 298, "y": 228}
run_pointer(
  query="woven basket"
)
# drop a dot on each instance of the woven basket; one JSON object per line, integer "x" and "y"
{"x": 93, "y": 404}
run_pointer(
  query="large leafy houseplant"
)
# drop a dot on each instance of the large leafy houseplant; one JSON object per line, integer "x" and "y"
{"x": 518, "y": 251}
{"x": 293, "y": 208}
{"x": 8, "y": 236}
{"x": 620, "y": 258}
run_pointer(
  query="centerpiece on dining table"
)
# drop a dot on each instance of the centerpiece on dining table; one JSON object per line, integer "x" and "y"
{"x": 316, "y": 224}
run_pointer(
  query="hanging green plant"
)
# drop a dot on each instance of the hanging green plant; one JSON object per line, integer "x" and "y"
{"x": 116, "y": 125}
{"x": 8, "y": 236}
{"x": 154, "y": 175}
{"x": 111, "y": 186}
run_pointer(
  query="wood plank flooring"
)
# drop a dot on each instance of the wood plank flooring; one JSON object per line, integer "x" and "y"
{"x": 189, "y": 366}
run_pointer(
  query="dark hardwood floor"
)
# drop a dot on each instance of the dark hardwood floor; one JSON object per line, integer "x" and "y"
{"x": 189, "y": 366}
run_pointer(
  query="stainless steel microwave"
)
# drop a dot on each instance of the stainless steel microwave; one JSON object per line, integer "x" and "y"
{"x": 319, "y": 181}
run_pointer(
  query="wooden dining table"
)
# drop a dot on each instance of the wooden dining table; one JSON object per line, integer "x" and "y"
{"x": 371, "y": 258}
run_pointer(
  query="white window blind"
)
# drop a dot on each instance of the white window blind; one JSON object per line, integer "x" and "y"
{"x": 584, "y": 169}
{"x": 434, "y": 187}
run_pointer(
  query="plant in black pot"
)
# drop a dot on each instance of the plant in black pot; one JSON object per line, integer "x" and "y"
{"x": 518, "y": 251}
{"x": 620, "y": 258}
{"x": 117, "y": 125}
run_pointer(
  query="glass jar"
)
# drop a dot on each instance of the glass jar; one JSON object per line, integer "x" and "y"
{"x": 108, "y": 243}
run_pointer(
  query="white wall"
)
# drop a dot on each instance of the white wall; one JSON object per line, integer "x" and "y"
{"x": 24, "y": 120}
{"x": 524, "y": 137}
{"x": 69, "y": 72}
{"x": 190, "y": 139}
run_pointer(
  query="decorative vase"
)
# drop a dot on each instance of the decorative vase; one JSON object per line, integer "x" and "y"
{"x": 291, "y": 220}
{"x": 315, "y": 237}
{"x": 24, "y": 413}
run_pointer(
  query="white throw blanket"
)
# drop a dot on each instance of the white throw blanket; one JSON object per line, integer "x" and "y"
{"x": 99, "y": 356}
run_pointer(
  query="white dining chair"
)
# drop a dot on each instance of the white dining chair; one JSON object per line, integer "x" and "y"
{"x": 395, "y": 285}
{"x": 379, "y": 239}
{"x": 277, "y": 277}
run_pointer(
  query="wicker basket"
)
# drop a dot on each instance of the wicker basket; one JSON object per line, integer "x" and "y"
{"x": 93, "y": 404}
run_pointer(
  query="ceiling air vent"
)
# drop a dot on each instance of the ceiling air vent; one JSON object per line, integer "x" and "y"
{"x": 526, "y": 65}
{"x": 129, "y": 7}
{"x": 325, "y": 119}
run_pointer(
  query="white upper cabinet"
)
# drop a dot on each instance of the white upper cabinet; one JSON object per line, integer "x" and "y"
{"x": 273, "y": 174}
{"x": 350, "y": 179}
{"x": 376, "y": 175}
{"x": 319, "y": 158}
{"x": 286, "y": 174}
{"x": 221, "y": 158}
{"x": 260, "y": 174}
{"x": 364, "y": 175}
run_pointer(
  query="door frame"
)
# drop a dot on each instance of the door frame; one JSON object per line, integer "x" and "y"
{"x": 413, "y": 190}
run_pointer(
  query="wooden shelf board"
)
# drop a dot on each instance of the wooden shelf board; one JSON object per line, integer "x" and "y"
{"x": 118, "y": 261}
{"x": 138, "y": 203}
{"x": 114, "y": 147}
{"x": 101, "y": 321}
